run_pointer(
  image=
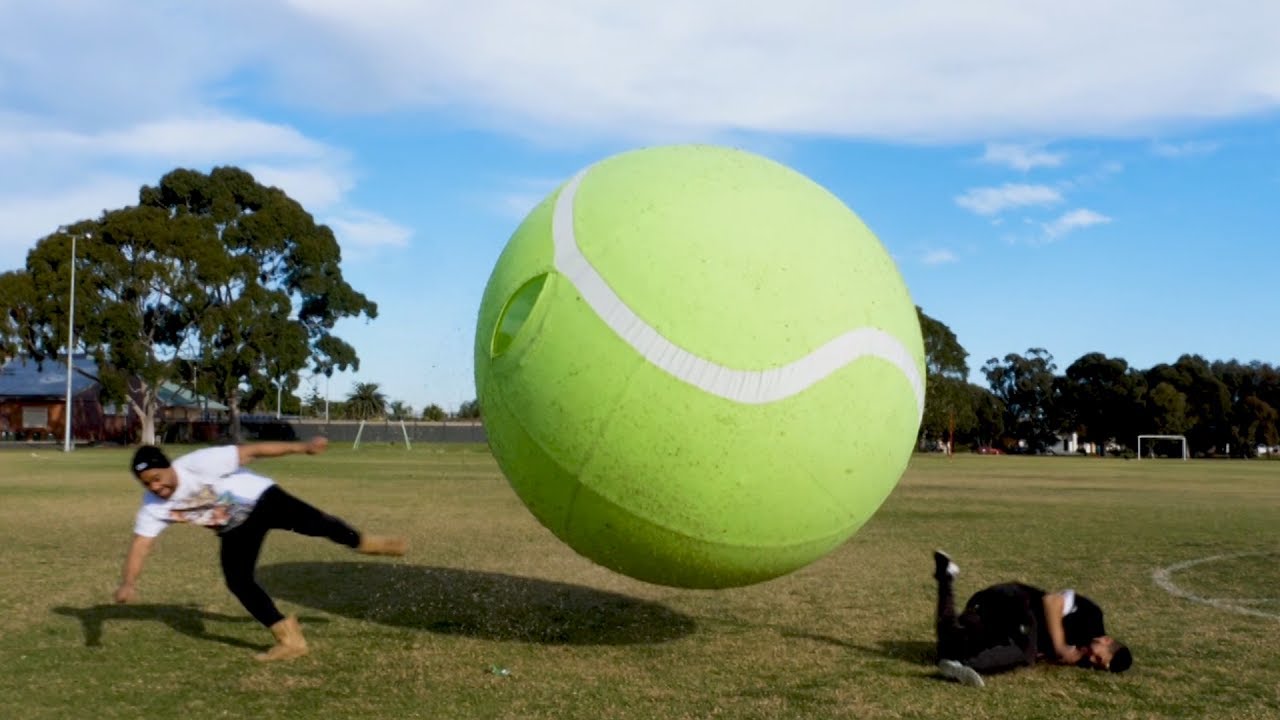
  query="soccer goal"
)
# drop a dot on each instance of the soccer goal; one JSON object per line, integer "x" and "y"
{"x": 403, "y": 431}
{"x": 1151, "y": 438}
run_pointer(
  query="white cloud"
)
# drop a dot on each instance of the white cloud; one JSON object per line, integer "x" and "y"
{"x": 939, "y": 257}
{"x": 995, "y": 200}
{"x": 522, "y": 194}
{"x": 1092, "y": 177}
{"x": 1190, "y": 148}
{"x": 368, "y": 230}
{"x": 516, "y": 205}
{"x": 1021, "y": 157}
{"x": 1072, "y": 221}
{"x": 945, "y": 71}
{"x": 29, "y": 216}
{"x": 932, "y": 71}
{"x": 51, "y": 175}
{"x": 316, "y": 187}
{"x": 195, "y": 140}
{"x": 79, "y": 124}
{"x": 207, "y": 139}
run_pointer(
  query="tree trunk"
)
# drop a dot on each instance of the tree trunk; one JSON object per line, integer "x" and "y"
{"x": 146, "y": 411}
{"x": 233, "y": 405}
{"x": 149, "y": 419}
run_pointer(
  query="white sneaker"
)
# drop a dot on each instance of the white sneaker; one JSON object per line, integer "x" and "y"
{"x": 963, "y": 674}
{"x": 942, "y": 564}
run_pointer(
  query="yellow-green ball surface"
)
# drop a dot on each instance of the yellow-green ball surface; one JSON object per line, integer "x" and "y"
{"x": 698, "y": 367}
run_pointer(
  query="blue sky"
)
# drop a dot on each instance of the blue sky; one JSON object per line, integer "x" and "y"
{"x": 1086, "y": 176}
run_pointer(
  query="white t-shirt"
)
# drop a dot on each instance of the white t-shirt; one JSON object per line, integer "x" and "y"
{"x": 213, "y": 491}
{"x": 1068, "y": 602}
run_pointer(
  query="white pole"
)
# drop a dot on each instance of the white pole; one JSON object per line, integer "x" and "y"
{"x": 67, "y": 444}
{"x": 326, "y": 399}
{"x": 279, "y": 389}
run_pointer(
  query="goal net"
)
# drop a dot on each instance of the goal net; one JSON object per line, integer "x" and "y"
{"x": 1166, "y": 443}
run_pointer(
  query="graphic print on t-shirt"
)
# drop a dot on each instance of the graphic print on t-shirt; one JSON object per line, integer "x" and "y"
{"x": 213, "y": 491}
{"x": 209, "y": 509}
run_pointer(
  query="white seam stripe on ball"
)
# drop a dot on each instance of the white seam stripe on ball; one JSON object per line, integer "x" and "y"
{"x": 745, "y": 386}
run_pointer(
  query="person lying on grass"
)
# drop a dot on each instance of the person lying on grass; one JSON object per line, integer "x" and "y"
{"x": 211, "y": 488}
{"x": 1012, "y": 625}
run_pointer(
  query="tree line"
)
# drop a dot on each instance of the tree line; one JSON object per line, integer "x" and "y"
{"x": 210, "y": 281}
{"x": 1223, "y": 407}
{"x": 215, "y": 282}
{"x": 366, "y": 401}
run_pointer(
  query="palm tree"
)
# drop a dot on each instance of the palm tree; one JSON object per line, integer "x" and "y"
{"x": 365, "y": 401}
{"x": 400, "y": 410}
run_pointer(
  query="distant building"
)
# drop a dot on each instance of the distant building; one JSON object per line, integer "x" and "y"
{"x": 178, "y": 404}
{"x": 33, "y": 402}
{"x": 1067, "y": 444}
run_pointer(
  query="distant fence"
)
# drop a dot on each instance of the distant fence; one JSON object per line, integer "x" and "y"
{"x": 343, "y": 431}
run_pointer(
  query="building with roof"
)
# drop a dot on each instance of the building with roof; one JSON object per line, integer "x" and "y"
{"x": 33, "y": 398}
{"x": 179, "y": 404}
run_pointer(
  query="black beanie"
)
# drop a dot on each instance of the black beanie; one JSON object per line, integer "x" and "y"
{"x": 148, "y": 457}
{"x": 1122, "y": 660}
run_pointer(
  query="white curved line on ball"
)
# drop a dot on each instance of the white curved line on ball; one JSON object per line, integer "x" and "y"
{"x": 744, "y": 386}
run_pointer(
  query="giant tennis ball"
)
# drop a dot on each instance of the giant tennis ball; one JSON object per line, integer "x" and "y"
{"x": 697, "y": 367}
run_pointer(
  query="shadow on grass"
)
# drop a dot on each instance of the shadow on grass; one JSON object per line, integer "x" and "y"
{"x": 451, "y": 601}
{"x": 188, "y": 620}
{"x": 916, "y": 652}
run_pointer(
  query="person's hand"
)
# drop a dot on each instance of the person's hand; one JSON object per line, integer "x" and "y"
{"x": 125, "y": 593}
{"x": 1072, "y": 655}
{"x": 317, "y": 445}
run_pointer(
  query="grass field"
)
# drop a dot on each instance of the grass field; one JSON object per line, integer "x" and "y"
{"x": 485, "y": 587}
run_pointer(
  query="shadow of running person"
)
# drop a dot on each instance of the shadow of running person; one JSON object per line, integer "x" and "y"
{"x": 477, "y": 604}
{"x": 186, "y": 619}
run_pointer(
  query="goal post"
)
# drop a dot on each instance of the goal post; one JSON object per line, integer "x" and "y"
{"x": 1149, "y": 438}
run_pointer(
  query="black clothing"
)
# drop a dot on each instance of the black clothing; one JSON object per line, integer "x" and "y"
{"x": 275, "y": 510}
{"x": 1003, "y": 626}
{"x": 1079, "y": 627}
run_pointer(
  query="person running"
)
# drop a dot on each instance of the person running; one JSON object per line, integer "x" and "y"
{"x": 211, "y": 488}
{"x": 1013, "y": 625}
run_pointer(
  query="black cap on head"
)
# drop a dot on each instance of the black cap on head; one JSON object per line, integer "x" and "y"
{"x": 146, "y": 458}
{"x": 1121, "y": 660}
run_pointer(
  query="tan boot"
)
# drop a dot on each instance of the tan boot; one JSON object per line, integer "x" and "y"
{"x": 382, "y": 545}
{"x": 289, "y": 641}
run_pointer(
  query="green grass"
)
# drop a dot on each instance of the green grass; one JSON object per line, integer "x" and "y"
{"x": 484, "y": 585}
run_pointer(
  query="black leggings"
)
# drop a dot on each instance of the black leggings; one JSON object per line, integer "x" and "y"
{"x": 996, "y": 632}
{"x": 275, "y": 510}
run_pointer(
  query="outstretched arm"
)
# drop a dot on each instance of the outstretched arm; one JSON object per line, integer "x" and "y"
{"x": 314, "y": 446}
{"x": 1068, "y": 654}
{"x": 139, "y": 548}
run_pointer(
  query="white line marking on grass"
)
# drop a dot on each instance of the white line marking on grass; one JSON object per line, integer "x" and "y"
{"x": 1163, "y": 578}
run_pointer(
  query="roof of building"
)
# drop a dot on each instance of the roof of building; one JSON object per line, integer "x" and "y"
{"x": 175, "y": 396}
{"x": 23, "y": 377}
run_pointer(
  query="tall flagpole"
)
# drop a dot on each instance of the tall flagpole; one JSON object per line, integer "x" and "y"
{"x": 71, "y": 315}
